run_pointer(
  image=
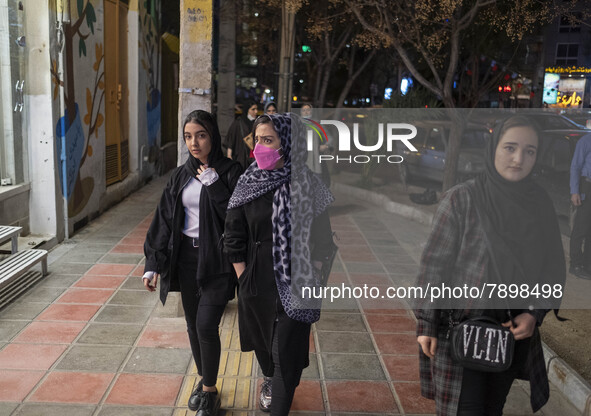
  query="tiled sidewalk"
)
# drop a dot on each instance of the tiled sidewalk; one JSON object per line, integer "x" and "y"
{"x": 90, "y": 340}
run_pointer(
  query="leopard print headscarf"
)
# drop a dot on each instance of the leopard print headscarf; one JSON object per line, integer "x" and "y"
{"x": 292, "y": 222}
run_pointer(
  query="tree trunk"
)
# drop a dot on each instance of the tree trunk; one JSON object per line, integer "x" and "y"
{"x": 454, "y": 142}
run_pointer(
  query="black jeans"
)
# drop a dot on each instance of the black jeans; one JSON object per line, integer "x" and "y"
{"x": 282, "y": 396}
{"x": 581, "y": 231}
{"x": 484, "y": 394}
{"x": 202, "y": 320}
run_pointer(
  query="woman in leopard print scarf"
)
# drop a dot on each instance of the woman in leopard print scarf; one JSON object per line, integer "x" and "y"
{"x": 277, "y": 234}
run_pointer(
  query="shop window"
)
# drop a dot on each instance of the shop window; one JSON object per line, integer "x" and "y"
{"x": 12, "y": 93}
{"x": 567, "y": 54}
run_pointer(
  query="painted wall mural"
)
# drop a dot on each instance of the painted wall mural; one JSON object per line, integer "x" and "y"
{"x": 150, "y": 53}
{"x": 73, "y": 129}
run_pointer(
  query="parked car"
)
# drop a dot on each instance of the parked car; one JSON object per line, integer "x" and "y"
{"x": 432, "y": 140}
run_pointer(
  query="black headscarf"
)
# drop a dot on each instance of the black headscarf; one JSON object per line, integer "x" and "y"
{"x": 206, "y": 120}
{"x": 520, "y": 224}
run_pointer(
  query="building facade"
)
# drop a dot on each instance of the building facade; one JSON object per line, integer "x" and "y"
{"x": 80, "y": 108}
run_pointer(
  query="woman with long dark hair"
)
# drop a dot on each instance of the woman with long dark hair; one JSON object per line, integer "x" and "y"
{"x": 182, "y": 248}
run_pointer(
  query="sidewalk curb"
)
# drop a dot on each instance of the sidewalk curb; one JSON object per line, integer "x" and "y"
{"x": 566, "y": 380}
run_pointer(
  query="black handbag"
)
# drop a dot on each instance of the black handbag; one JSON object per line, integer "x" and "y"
{"x": 482, "y": 344}
{"x": 327, "y": 263}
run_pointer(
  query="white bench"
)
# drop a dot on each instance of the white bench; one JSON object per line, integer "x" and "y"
{"x": 10, "y": 233}
{"x": 17, "y": 264}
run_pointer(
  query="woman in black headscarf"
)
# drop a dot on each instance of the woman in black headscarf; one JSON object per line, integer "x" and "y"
{"x": 277, "y": 236}
{"x": 182, "y": 248}
{"x": 500, "y": 228}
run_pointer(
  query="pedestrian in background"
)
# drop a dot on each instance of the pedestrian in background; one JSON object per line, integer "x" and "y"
{"x": 270, "y": 108}
{"x": 499, "y": 227}
{"x": 580, "y": 189}
{"x": 277, "y": 236}
{"x": 182, "y": 248}
{"x": 241, "y": 128}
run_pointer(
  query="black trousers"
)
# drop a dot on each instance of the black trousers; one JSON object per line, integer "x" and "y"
{"x": 581, "y": 232}
{"x": 282, "y": 394}
{"x": 483, "y": 393}
{"x": 202, "y": 320}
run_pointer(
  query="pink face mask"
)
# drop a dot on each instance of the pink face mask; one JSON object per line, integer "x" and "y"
{"x": 266, "y": 157}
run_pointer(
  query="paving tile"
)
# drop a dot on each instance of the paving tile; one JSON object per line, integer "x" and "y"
{"x": 82, "y": 256}
{"x": 22, "y": 310}
{"x": 7, "y": 408}
{"x": 8, "y": 329}
{"x": 41, "y": 294}
{"x": 59, "y": 280}
{"x": 357, "y": 255}
{"x": 15, "y": 385}
{"x": 402, "y": 368}
{"x": 364, "y": 267}
{"x": 308, "y": 397}
{"x": 83, "y": 295}
{"x": 138, "y": 271}
{"x": 128, "y": 249}
{"x": 137, "y": 241}
{"x": 101, "y": 358}
{"x": 135, "y": 411}
{"x": 340, "y": 322}
{"x": 390, "y": 323}
{"x": 66, "y": 312}
{"x": 135, "y": 283}
{"x": 384, "y": 306}
{"x": 134, "y": 298}
{"x": 96, "y": 246}
{"x": 123, "y": 314}
{"x": 100, "y": 282}
{"x": 345, "y": 342}
{"x": 45, "y": 409}
{"x": 126, "y": 391}
{"x": 71, "y": 387}
{"x": 30, "y": 356}
{"x": 405, "y": 344}
{"x": 337, "y": 277}
{"x": 411, "y": 399}
{"x": 50, "y": 332}
{"x": 342, "y": 304}
{"x": 111, "y": 269}
{"x": 370, "y": 279}
{"x": 360, "y": 396}
{"x": 236, "y": 394}
{"x": 352, "y": 367}
{"x": 165, "y": 337}
{"x": 121, "y": 258}
{"x": 311, "y": 372}
{"x": 158, "y": 360}
{"x": 63, "y": 267}
{"x": 114, "y": 334}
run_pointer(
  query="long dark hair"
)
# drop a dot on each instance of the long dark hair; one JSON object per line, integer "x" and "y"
{"x": 208, "y": 122}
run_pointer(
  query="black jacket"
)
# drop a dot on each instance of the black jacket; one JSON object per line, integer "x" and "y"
{"x": 215, "y": 275}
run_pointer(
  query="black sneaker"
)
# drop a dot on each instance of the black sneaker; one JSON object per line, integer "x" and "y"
{"x": 266, "y": 393}
{"x": 210, "y": 404}
{"x": 580, "y": 272}
{"x": 195, "y": 398}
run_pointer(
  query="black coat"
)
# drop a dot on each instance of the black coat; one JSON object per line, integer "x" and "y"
{"x": 240, "y": 128}
{"x": 249, "y": 238}
{"x": 215, "y": 275}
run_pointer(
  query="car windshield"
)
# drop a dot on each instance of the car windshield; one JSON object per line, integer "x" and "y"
{"x": 554, "y": 122}
{"x": 475, "y": 139}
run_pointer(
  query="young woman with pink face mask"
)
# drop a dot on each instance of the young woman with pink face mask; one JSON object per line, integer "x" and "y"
{"x": 262, "y": 226}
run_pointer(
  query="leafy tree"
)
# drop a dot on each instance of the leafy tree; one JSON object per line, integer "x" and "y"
{"x": 429, "y": 36}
